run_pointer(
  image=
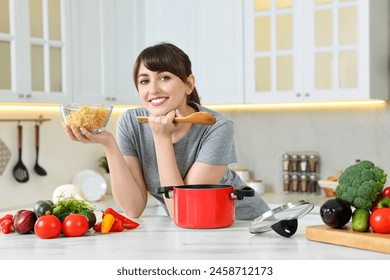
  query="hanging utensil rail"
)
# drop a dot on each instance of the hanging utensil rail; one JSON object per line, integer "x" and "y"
{"x": 39, "y": 120}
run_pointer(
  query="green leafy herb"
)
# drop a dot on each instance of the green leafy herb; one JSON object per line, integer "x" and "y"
{"x": 71, "y": 205}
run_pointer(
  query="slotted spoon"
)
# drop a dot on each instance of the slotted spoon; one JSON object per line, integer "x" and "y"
{"x": 195, "y": 118}
{"x": 20, "y": 171}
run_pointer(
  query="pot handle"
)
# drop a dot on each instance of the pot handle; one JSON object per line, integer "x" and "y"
{"x": 167, "y": 191}
{"x": 244, "y": 191}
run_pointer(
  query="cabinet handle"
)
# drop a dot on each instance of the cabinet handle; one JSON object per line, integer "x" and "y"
{"x": 21, "y": 95}
{"x": 108, "y": 98}
{"x": 113, "y": 99}
{"x": 307, "y": 94}
{"x": 28, "y": 95}
{"x": 298, "y": 95}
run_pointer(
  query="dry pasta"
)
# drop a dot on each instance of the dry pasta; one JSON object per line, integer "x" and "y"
{"x": 88, "y": 117}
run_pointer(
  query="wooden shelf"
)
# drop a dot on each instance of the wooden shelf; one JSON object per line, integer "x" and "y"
{"x": 39, "y": 120}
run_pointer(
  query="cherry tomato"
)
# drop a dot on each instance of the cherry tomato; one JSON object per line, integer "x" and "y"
{"x": 75, "y": 225}
{"x": 386, "y": 192}
{"x": 380, "y": 220}
{"x": 48, "y": 226}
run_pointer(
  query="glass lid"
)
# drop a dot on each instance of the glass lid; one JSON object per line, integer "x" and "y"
{"x": 286, "y": 212}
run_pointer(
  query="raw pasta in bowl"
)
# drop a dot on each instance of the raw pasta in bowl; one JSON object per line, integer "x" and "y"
{"x": 93, "y": 117}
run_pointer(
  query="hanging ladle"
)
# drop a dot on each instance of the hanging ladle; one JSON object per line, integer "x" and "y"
{"x": 195, "y": 118}
{"x": 37, "y": 168}
{"x": 20, "y": 171}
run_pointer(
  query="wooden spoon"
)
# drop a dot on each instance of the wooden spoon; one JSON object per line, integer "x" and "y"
{"x": 195, "y": 118}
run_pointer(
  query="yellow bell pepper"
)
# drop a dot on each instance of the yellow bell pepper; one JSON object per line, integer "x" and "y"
{"x": 108, "y": 221}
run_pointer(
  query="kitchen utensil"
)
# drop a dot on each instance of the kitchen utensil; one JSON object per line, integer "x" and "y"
{"x": 347, "y": 237}
{"x": 5, "y": 155}
{"x": 92, "y": 184}
{"x": 93, "y": 117}
{"x": 283, "y": 219}
{"x": 20, "y": 171}
{"x": 205, "y": 206}
{"x": 195, "y": 118}
{"x": 37, "y": 168}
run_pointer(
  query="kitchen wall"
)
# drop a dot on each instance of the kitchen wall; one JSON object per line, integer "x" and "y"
{"x": 340, "y": 134}
{"x": 60, "y": 157}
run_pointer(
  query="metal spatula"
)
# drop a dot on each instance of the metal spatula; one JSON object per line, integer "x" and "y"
{"x": 20, "y": 171}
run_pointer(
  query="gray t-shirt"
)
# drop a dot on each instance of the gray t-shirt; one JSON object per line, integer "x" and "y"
{"x": 207, "y": 144}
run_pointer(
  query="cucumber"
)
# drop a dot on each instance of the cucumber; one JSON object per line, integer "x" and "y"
{"x": 360, "y": 220}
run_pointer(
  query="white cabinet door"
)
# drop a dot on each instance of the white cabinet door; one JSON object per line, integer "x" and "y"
{"x": 210, "y": 32}
{"x": 104, "y": 51}
{"x": 315, "y": 50}
{"x": 35, "y": 48}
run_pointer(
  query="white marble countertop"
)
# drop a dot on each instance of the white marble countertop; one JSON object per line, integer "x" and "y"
{"x": 159, "y": 238}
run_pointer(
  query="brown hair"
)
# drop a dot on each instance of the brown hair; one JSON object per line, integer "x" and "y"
{"x": 166, "y": 57}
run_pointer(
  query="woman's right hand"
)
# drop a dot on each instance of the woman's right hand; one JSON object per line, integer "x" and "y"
{"x": 84, "y": 136}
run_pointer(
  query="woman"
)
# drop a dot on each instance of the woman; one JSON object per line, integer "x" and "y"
{"x": 145, "y": 157}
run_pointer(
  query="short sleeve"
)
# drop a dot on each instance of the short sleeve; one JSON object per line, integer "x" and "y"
{"x": 217, "y": 145}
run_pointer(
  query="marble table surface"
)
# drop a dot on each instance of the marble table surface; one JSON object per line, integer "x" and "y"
{"x": 159, "y": 238}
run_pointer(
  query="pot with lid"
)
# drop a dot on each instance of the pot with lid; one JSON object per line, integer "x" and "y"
{"x": 205, "y": 205}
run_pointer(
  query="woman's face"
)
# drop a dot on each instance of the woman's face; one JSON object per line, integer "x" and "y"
{"x": 162, "y": 92}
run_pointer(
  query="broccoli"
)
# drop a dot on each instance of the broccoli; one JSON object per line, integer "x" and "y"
{"x": 360, "y": 184}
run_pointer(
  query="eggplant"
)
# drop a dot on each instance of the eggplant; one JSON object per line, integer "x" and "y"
{"x": 336, "y": 212}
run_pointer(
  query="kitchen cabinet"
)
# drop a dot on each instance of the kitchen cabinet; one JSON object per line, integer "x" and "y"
{"x": 104, "y": 51}
{"x": 315, "y": 50}
{"x": 210, "y": 32}
{"x": 34, "y": 51}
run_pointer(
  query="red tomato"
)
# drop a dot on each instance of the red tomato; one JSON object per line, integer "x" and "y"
{"x": 75, "y": 225}
{"x": 380, "y": 220}
{"x": 386, "y": 192}
{"x": 48, "y": 226}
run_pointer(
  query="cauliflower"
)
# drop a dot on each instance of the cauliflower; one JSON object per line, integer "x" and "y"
{"x": 360, "y": 184}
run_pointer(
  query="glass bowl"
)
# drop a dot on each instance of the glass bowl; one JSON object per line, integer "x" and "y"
{"x": 93, "y": 117}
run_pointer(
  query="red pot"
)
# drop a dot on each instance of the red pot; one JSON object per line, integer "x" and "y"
{"x": 205, "y": 206}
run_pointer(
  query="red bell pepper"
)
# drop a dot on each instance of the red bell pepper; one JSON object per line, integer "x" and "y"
{"x": 386, "y": 192}
{"x": 127, "y": 223}
{"x": 97, "y": 227}
{"x": 6, "y": 226}
{"x": 7, "y": 217}
{"x": 117, "y": 226}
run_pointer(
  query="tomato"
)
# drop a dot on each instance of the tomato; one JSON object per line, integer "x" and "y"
{"x": 380, "y": 220}
{"x": 75, "y": 225}
{"x": 386, "y": 192}
{"x": 48, "y": 226}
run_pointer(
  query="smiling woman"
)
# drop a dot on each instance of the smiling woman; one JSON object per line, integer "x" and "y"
{"x": 165, "y": 152}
